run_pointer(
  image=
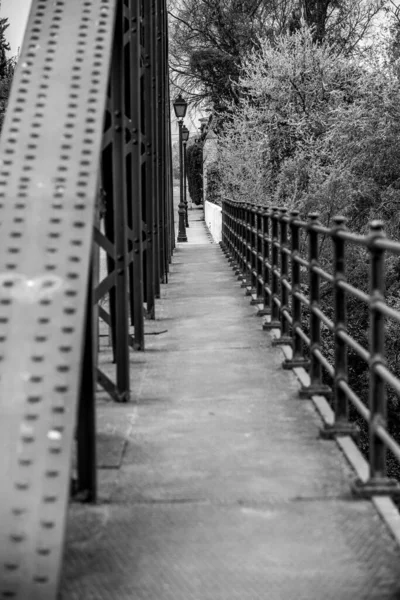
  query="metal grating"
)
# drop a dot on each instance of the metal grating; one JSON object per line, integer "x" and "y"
{"x": 49, "y": 156}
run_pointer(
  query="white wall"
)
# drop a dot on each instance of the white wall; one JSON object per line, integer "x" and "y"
{"x": 213, "y": 219}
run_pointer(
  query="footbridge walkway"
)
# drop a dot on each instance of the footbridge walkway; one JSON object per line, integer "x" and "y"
{"x": 222, "y": 487}
{"x": 164, "y": 432}
{"x": 214, "y": 482}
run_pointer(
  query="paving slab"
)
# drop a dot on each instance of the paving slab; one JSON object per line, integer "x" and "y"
{"x": 221, "y": 486}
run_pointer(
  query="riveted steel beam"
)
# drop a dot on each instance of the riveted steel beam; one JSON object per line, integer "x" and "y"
{"x": 135, "y": 83}
{"x": 148, "y": 181}
{"x": 49, "y": 155}
{"x": 83, "y": 181}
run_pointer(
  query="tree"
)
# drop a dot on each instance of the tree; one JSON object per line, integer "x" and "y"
{"x": 7, "y": 67}
{"x": 4, "y": 48}
{"x": 210, "y": 38}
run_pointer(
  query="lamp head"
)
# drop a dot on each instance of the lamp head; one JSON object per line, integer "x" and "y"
{"x": 185, "y": 134}
{"x": 180, "y": 106}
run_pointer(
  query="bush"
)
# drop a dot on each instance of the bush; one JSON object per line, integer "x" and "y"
{"x": 194, "y": 166}
{"x": 213, "y": 190}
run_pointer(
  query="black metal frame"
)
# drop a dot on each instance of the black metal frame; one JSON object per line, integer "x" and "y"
{"x": 84, "y": 125}
{"x": 260, "y": 242}
{"x": 135, "y": 176}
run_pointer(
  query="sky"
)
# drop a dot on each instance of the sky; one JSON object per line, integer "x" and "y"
{"x": 17, "y": 12}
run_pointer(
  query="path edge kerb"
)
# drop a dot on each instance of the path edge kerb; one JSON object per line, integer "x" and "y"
{"x": 384, "y": 505}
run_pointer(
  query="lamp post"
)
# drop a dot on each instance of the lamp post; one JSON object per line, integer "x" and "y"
{"x": 180, "y": 106}
{"x": 185, "y": 137}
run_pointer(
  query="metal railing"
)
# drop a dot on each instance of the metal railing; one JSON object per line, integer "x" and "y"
{"x": 267, "y": 247}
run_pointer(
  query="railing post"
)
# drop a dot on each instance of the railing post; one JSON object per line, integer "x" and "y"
{"x": 230, "y": 245}
{"x": 341, "y": 425}
{"x": 297, "y": 359}
{"x": 274, "y": 323}
{"x": 228, "y": 223}
{"x": 242, "y": 244}
{"x": 285, "y": 337}
{"x": 316, "y": 386}
{"x": 249, "y": 250}
{"x": 253, "y": 255}
{"x": 378, "y": 482}
{"x": 236, "y": 239}
{"x": 245, "y": 234}
{"x": 265, "y": 297}
{"x": 224, "y": 228}
{"x": 253, "y": 251}
{"x": 259, "y": 256}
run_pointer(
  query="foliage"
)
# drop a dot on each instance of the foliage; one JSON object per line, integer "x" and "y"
{"x": 194, "y": 166}
{"x": 343, "y": 23}
{"x": 213, "y": 188}
{"x": 7, "y": 67}
{"x": 4, "y": 48}
{"x": 208, "y": 40}
{"x": 314, "y": 128}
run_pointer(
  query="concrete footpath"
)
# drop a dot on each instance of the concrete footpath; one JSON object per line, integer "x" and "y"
{"x": 220, "y": 488}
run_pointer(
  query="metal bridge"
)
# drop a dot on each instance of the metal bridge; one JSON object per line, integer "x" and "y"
{"x": 222, "y": 487}
{"x": 86, "y": 133}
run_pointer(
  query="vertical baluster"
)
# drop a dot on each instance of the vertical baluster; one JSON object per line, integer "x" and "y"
{"x": 231, "y": 249}
{"x": 227, "y": 226}
{"x": 274, "y": 323}
{"x": 236, "y": 235}
{"x": 341, "y": 425}
{"x": 259, "y": 257}
{"x": 265, "y": 301}
{"x": 229, "y": 216}
{"x": 229, "y": 236}
{"x": 242, "y": 277}
{"x": 254, "y": 252}
{"x": 249, "y": 224}
{"x": 245, "y": 238}
{"x": 378, "y": 482}
{"x": 225, "y": 219}
{"x": 249, "y": 258}
{"x": 238, "y": 270}
{"x": 223, "y": 228}
{"x": 297, "y": 359}
{"x": 249, "y": 244}
{"x": 284, "y": 277}
{"x": 316, "y": 386}
{"x": 377, "y": 387}
{"x": 251, "y": 291}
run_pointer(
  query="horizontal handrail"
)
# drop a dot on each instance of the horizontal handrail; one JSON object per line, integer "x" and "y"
{"x": 266, "y": 247}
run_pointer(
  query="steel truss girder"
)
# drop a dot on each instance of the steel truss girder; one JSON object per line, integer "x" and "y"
{"x": 68, "y": 115}
{"x": 49, "y": 154}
